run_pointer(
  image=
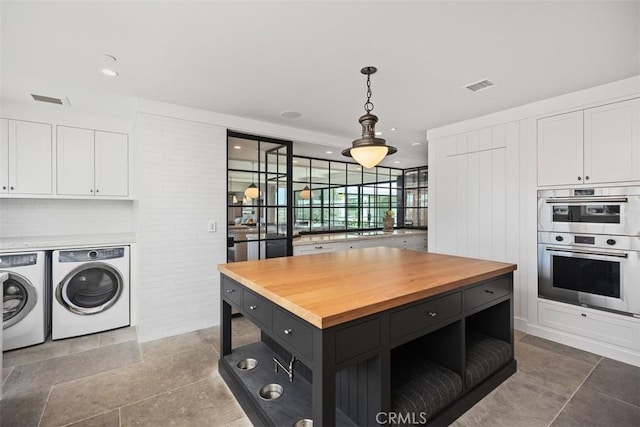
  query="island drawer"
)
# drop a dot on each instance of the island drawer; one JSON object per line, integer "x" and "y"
{"x": 421, "y": 316}
{"x": 232, "y": 291}
{"x": 293, "y": 331}
{"x": 257, "y": 307}
{"x": 487, "y": 292}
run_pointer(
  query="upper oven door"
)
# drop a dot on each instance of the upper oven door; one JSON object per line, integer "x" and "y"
{"x": 595, "y": 214}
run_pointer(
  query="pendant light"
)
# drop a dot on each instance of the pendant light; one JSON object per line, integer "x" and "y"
{"x": 369, "y": 150}
{"x": 252, "y": 191}
{"x": 306, "y": 192}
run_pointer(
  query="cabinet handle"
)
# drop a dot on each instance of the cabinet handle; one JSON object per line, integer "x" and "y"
{"x": 489, "y": 291}
{"x": 583, "y": 315}
{"x": 288, "y": 331}
{"x": 318, "y": 247}
{"x": 97, "y": 191}
{"x": 253, "y": 307}
{"x": 4, "y": 187}
{"x": 91, "y": 191}
{"x": 230, "y": 291}
{"x": 12, "y": 188}
{"x": 579, "y": 178}
{"x": 586, "y": 178}
{"x": 432, "y": 314}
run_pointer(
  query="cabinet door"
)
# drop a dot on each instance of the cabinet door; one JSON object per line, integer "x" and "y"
{"x": 560, "y": 148}
{"x": 30, "y": 158}
{"x": 612, "y": 142}
{"x": 75, "y": 161}
{"x": 4, "y": 156}
{"x": 112, "y": 164}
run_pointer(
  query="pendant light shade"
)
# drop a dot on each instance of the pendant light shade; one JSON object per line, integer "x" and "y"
{"x": 306, "y": 193}
{"x": 252, "y": 191}
{"x": 369, "y": 150}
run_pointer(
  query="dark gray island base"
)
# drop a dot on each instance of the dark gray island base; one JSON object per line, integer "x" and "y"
{"x": 423, "y": 362}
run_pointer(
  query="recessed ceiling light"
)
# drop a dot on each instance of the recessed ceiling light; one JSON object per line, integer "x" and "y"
{"x": 397, "y": 162}
{"x": 415, "y": 144}
{"x": 329, "y": 152}
{"x": 109, "y": 72}
{"x": 393, "y": 129}
{"x": 237, "y": 147}
{"x": 107, "y": 66}
{"x": 291, "y": 114}
{"x": 378, "y": 133}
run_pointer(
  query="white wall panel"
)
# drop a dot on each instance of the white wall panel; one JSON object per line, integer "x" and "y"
{"x": 51, "y": 217}
{"x": 180, "y": 183}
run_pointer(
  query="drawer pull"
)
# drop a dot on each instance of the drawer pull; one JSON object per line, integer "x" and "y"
{"x": 432, "y": 313}
{"x": 583, "y": 315}
{"x": 230, "y": 291}
{"x": 253, "y": 307}
{"x": 288, "y": 331}
{"x": 489, "y": 291}
{"x": 318, "y": 247}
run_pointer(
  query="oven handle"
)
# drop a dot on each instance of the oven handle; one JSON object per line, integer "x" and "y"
{"x": 578, "y": 251}
{"x": 603, "y": 199}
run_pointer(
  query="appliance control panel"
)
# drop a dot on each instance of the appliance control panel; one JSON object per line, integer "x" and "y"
{"x": 589, "y": 240}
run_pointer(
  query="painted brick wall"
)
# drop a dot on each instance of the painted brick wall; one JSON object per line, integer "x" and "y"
{"x": 180, "y": 188}
{"x": 47, "y": 217}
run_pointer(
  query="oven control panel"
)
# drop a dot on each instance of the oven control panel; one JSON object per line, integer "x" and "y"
{"x": 590, "y": 240}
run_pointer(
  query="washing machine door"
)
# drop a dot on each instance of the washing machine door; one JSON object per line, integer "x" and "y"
{"x": 19, "y": 296}
{"x": 90, "y": 289}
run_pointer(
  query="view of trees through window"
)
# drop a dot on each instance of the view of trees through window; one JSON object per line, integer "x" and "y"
{"x": 333, "y": 196}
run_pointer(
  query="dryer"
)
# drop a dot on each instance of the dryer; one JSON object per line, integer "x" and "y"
{"x": 90, "y": 291}
{"x": 25, "y": 304}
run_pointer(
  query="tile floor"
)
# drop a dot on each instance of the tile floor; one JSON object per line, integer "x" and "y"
{"x": 109, "y": 379}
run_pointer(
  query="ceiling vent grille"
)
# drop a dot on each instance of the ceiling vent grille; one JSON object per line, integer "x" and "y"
{"x": 49, "y": 99}
{"x": 481, "y": 85}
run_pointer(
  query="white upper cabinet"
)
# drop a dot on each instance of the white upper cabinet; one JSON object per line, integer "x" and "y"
{"x": 112, "y": 164}
{"x": 25, "y": 158}
{"x": 612, "y": 142}
{"x": 560, "y": 148}
{"x": 92, "y": 163}
{"x": 75, "y": 161}
{"x": 592, "y": 146}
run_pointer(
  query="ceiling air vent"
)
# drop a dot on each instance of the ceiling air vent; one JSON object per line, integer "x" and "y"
{"x": 49, "y": 99}
{"x": 478, "y": 86}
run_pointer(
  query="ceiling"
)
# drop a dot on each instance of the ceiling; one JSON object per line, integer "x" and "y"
{"x": 257, "y": 59}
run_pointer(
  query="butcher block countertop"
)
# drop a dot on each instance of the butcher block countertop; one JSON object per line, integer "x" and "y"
{"x": 333, "y": 288}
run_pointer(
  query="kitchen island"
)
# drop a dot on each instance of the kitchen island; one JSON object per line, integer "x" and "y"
{"x": 348, "y": 327}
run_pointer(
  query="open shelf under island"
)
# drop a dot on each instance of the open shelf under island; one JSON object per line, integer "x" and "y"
{"x": 371, "y": 336}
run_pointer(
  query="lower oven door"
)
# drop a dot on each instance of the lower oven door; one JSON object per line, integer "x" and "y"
{"x": 604, "y": 279}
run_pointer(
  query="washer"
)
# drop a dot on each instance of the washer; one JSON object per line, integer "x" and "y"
{"x": 90, "y": 291}
{"x": 25, "y": 307}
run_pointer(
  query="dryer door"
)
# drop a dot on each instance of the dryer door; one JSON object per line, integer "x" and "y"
{"x": 90, "y": 289}
{"x": 19, "y": 297}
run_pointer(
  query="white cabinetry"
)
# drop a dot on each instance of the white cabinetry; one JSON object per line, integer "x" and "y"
{"x": 600, "y": 326}
{"x": 416, "y": 242}
{"x": 319, "y": 248}
{"x": 596, "y": 145}
{"x": 92, "y": 163}
{"x": 25, "y": 158}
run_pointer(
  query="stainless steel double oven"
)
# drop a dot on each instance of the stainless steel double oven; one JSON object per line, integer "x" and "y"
{"x": 589, "y": 247}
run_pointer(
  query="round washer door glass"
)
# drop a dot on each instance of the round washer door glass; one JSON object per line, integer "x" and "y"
{"x": 91, "y": 288}
{"x": 18, "y": 299}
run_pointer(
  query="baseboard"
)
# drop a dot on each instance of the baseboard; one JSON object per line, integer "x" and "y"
{"x": 613, "y": 352}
